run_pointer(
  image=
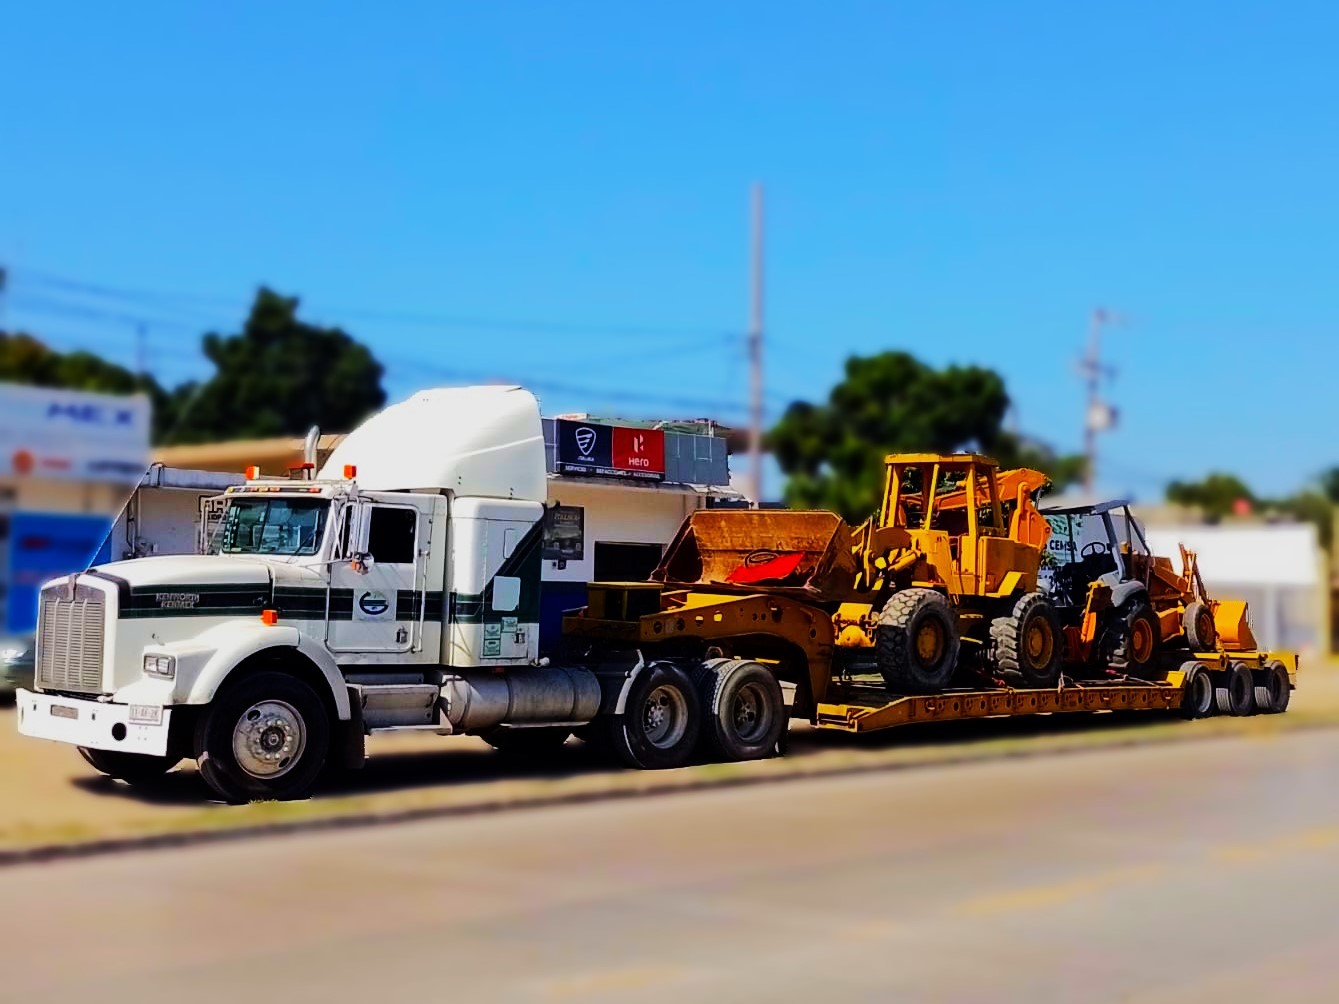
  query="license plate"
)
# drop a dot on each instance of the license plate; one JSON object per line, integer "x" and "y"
{"x": 62, "y": 711}
{"x": 145, "y": 714}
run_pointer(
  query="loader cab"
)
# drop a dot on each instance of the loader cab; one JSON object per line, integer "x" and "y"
{"x": 1094, "y": 544}
{"x": 977, "y": 527}
{"x": 926, "y": 492}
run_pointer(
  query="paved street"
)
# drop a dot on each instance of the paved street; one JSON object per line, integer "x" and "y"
{"x": 1196, "y": 872}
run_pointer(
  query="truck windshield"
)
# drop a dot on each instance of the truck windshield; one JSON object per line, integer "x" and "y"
{"x": 283, "y": 526}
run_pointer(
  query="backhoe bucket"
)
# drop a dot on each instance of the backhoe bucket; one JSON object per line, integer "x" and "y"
{"x": 762, "y": 547}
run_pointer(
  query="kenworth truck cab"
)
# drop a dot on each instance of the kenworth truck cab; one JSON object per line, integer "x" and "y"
{"x": 398, "y": 588}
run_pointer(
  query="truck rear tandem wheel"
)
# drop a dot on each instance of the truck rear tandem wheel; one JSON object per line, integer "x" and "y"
{"x": 743, "y": 711}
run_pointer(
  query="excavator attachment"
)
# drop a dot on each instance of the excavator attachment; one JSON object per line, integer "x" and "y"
{"x": 773, "y": 548}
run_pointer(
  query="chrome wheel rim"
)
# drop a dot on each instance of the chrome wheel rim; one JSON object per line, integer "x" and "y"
{"x": 268, "y": 739}
{"x": 746, "y": 712}
{"x": 664, "y": 717}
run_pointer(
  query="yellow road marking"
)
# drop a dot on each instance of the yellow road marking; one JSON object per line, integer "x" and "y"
{"x": 1040, "y": 896}
{"x": 1305, "y": 840}
{"x": 611, "y": 981}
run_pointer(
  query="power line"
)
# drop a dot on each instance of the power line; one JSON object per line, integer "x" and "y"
{"x": 409, "y": 317}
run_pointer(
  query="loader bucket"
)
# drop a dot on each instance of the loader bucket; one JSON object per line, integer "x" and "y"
{"x": 1232, "y": 624}
{"x": 762, "y": 547}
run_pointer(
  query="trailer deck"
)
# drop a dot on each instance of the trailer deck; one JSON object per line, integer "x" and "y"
{"x": 863, "y": 704}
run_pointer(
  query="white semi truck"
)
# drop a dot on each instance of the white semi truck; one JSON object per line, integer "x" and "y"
{"x": 397, "y": 589}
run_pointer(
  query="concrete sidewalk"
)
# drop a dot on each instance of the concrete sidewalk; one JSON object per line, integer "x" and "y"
{"x": 50, "y": 797}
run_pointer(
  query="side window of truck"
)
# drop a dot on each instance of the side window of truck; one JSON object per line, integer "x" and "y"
{"x": 390, "y": 538}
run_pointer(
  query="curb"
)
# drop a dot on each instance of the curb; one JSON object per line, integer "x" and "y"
{"x": 798, "y": 769}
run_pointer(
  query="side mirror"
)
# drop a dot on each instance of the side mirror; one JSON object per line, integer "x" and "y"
{"x": 362, "y": 528}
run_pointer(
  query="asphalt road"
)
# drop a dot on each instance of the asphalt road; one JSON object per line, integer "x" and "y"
{"x": 1197, "y": 872}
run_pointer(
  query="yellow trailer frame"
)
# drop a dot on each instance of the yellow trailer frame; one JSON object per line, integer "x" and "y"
{"x": 870, "y": 708}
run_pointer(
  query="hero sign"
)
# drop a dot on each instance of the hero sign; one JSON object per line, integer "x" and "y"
{"x": 640, "y": 452}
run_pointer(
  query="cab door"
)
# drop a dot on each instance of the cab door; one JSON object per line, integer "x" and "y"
{"x": 376, "y": 591}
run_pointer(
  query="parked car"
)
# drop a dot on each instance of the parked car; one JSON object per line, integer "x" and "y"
{"x": 16, "y": 664}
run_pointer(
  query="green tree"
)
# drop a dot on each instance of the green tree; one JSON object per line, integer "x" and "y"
{"x": 25, "y": 360}
{"x": 832, "y": 454}
{"x": 278, "y": 377}
{"x": 1218, "y": 495}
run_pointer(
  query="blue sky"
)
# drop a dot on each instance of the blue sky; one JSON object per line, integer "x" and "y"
{"x": 558, "y": 192}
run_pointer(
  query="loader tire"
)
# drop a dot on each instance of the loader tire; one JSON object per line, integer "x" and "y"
{"x": 1273, "y": 690}
{"x": 1138, "y": 639}
{"x": 743, "y": 710}
{"x": 1197, "y": 692}
{"x": 1234, "y": 690}
{"x": 1026, "y": 647}
{"x": 1201, "y": 634}
{"x": 917, "y": 642}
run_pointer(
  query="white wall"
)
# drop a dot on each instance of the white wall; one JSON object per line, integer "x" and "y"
{"x": 618, "y": 515}
{"x": 168, "y": 522}
{"x": 1277, "y": 569}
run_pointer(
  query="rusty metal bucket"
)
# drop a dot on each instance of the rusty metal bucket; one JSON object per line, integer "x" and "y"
{"x": 764, "y": 549}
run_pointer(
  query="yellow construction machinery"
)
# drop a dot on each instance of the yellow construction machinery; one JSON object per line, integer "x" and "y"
{"x": 865, "y": 626}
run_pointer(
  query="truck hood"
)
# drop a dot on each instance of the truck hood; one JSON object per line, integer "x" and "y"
{"x": 207, "y": 570}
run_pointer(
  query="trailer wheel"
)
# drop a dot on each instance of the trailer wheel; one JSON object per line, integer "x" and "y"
{"x": 264, "y": 737}
{"x": 743, "y": 710}
{"x": 1026, "y": 646}
{"x": 527, "y": 744}
{"x": 1197, "y": 693}
{"x": 1274, "y": 691}
{"x": 132, "y": 768}
{"x": 661, "y": 720}
{"x": 1137, "y": 640}
{"x": 1234, "y": 690}
{"x": 917, "y": 642}
{"x": 1201, "y": 632}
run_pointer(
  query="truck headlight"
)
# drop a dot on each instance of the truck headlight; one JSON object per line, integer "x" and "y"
{"x": 160, "y": 665}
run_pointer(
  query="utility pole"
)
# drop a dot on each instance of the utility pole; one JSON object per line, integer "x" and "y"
{"x": 1099, "y": 416}
{"x": 141, "y": 349}
{"x": 755, "y": 352}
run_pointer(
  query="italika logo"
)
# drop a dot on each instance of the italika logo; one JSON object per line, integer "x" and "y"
{"x": 585, "y": 437}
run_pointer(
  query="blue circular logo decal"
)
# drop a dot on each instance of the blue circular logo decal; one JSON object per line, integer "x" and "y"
{"x": 373, "y": 604}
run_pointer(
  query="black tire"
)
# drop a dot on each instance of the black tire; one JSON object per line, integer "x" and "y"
{"x": 1273, "y": 689}
{"x": 1137, "y": 640}
{"x": 917, "y": 642}
{"x": 661, "y": 720}
{"x": 1027, "y": 647}
{"x": 743, "y": 710}
{"x": 1197, "y": 692}
{"x": 132, "y": 768}
{"x": 528, "y": 744}
{"x": 1234, "y": 690}
{"x": 287, "y": 746}
{"x": 1201, "y": 633}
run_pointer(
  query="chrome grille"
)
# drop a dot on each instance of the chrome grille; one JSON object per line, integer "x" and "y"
{"x": 70, "y": 636}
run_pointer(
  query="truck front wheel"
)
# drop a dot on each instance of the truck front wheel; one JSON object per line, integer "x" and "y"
{"x": 132, "y": 768}
{"x": 264, "y": 737}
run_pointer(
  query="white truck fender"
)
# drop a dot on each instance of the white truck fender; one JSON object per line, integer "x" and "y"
{"x": 241, "y": 642}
